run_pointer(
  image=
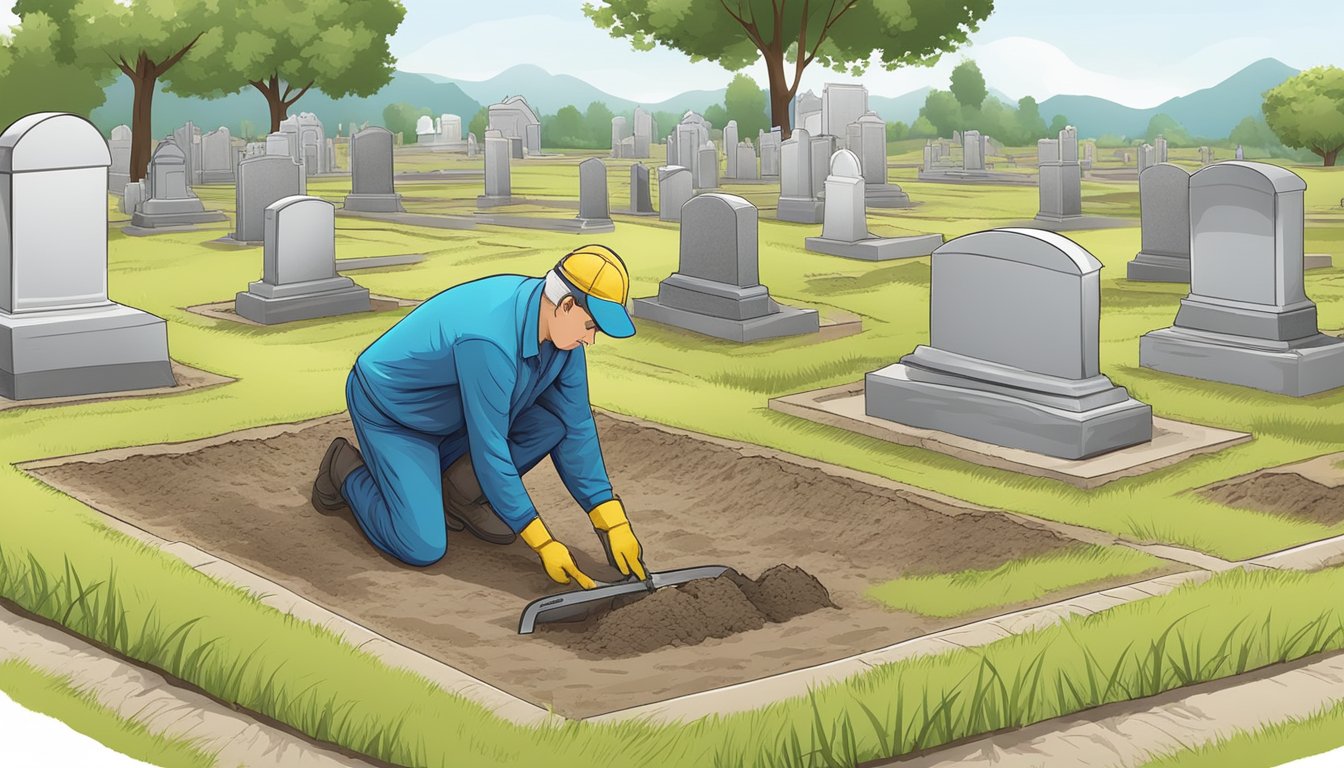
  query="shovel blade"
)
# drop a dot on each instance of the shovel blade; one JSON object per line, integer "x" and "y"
{"x": 571, "y": 605}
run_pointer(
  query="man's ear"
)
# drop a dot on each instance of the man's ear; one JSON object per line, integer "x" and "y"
{"x": 566, "y": 303}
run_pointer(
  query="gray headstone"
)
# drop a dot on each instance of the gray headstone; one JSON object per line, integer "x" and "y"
{"x": 842, "y": 104}
{"x": 730, "y": 141}
{"x": 262, "y": 181}
{"x": 618, "y": 134}
{"x": 873, "y": 146}
{"x": 497, "y": 159}
{"x": 1241, "y": 154}
{"x": 372, "y": 186}
{"x": 119, "y": 175}
{"x": 1060, "y": 177}
{"x": 640, "y": 201}
{"x": 644, "y": 132}
{"x": 846, "y": 220}
{"x": 217, "y": 156}
{"x": 593, "y": 189}
{"x": 747, "y": 169}
{"x": 1160, "y": 147}
{"x": 62, "y": 335}
{"x": 1164, "y": 204}
{"x": 770, "y": 143}
{"x": 688, "y": 147}
{"x": 972, "y": 156}
{"x": 1013, "y": 353}
{"x": 471, "y": 145}
{"x": 707, "y": 168}
{"x": 277, "y": 144}
{"x": 674, "y": 190}
{"x": 823, "y": 148}
{"x": 514, "y": 118}
{"x": 807, "y": 113}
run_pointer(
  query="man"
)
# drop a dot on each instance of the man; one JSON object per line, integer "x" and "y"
{"x": 458, "y": 400}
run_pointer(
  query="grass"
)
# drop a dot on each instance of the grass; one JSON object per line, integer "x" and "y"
{"x": 57, "y": 697}
{"x": 1032, "y": 578}
{"x": 1265, "y": 747}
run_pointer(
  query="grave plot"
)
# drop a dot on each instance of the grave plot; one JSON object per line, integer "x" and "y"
{"x": 1310, "y": 491}
{"x": 693, "y": 501}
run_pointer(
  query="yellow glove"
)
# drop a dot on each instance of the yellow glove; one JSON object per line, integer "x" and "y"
{"x": 623, "y": 550}
{"x": 555, "y": 557}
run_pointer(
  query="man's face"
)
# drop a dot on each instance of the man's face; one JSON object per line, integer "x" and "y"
{"x": 571, "y": 325}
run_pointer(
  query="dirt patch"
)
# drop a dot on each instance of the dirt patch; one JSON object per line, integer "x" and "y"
{"x": 692, "y": 613}
{"x": 1287, "y": 494}
{"x": 692, "y": 502}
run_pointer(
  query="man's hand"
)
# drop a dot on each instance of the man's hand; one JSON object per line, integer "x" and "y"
{"x": 555, "y": 557}
{"x": 623, "y": 550}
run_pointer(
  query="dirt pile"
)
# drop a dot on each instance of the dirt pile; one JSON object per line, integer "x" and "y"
{"x": 1283, "y": 493}
{"x": 692, "y": 613}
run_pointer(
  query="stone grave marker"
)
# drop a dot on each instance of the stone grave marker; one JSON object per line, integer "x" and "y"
{"x": 1164, "y": 207}
{"x": 372, "y": 187}
{"x": 674, "y": 190}
{"x": 169, "y": 200}
{"x": 797, "y": 198}
{"x": 844, "y": 231}
{"x": 262, "y": 181}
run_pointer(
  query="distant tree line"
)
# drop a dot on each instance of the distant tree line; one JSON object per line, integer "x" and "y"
{"x": 966, "y": 105}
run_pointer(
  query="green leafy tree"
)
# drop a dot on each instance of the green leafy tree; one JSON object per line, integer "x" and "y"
{"x": 897, "y": 130}
{"x": 1030, "y": 125}
{"x": 1057, "y": 124}
{"x": 144, "y": 40}
{"x": 943, "y": 110}
{"x": 745, "y": 102}
{"x": 597, "y": 125}
{"x": 968, "y": 85}
{"x": 284, "y": 48}
{"x": 1165, "y": 125}
{"x": 479, "y": 123}
{"x": 401, "y": 118}
{"x": 1307, "y": 111}
{"x": 923, "y": 129}
{"x": 1253, "y": 132}
{"x": 717, "y": 115}
{"x": 789, "y": 35}
{"x": 565, "y": 128}
{"x": 32, "y": 82}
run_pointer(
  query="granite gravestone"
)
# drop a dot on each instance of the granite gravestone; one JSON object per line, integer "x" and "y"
{"x": 61, "y": 333}
{"x": 707, "y": 168}
{"x": 168, "y": 200}
{"x": 716, "y": 290}
{"x": 747, "y": 169}
{"x": 1164, "y": 208}
{"x": 299, "y": 280}
{"x": 641, "y": 204}
{"x": 842, "y": 104}
{"x": 972, "y": 154}
{"x": 514, "y": 118}
{"x": 1013, "y": 353}
{"x": 217, "y": 157}
{"x": 674, "y": 191}
{"x": 372, "y": 187}
{"x": 730, "y": 141}
{"x": 872, "y": 153}
{"x": 498, "y": 185}
{"x": 1247, "y": 319}
{"x": 593, "y": 191}
{"x": 644, "y": 132}
{"x": 119, "y": 175}
{"x": 797, "y": 197}
{"x": 807, "y": 112}
{"x": 1060, "y": 178}
{"x": 844, "y": 231}
{"x": 262, "y": 181}
{"x": 770, "y": 153}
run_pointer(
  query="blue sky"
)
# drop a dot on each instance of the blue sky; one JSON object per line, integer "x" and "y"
{"x": 1026, "y": 47}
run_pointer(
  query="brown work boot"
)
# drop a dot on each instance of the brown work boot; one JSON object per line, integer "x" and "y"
{"x": 341, "y": 459}
{"x": 464, "y": 505}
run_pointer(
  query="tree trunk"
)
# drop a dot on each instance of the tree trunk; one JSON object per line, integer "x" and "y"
{"x": 1331, "y": 156}
{"x": 142, "y": 132}
{"x": 780, "y": 93}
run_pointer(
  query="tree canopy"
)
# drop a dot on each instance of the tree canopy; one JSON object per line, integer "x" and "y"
{"x": 34, "y": 82}
{"x": 1307, "y": 111}
{"x": 968, "y": 85}
{"x": 790, "y": 35}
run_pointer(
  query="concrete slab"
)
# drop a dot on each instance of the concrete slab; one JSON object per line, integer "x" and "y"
{"x": 876, "y": 248}
{"x": 187, "y": 378}
{"x": 223, "y": 310}
{"x": 1173, "y": 441}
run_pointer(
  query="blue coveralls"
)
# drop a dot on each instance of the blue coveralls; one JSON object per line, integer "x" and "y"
{"x": 464, "y": 372}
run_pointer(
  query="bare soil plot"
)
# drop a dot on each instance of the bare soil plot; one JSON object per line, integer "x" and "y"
{"x": 693, "y": 501}
{"x": 1311, "y": 490}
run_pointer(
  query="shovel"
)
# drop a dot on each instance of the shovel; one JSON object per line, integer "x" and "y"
{"x": 570, "y": 605}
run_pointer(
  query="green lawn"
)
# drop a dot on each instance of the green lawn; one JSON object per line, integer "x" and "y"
{"x": 54, "y": 696}
{"x": 240, "y": 649}
{"x": 1017, "y": 581}
{"x": 1267, "y": 747}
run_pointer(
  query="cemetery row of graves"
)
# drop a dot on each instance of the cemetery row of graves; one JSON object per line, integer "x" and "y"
{"x": 789, "y": 294}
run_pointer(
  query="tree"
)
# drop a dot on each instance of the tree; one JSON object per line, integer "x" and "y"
{"x": 922, "y": 129}
{"x": 717, "y": 115}
{"x": 841, "y": 35}
{"x": 897, "y": 131}
{"x": 1165, "y": 125}
{"x": 968, "y": 85}
{"x": 283, "y": 48}
{"x": 32, "y": 82}
{"x": 1057, "y": 124}
{"x": 1030, "y": 124}
{"x": 597, "y": 123}
{"x": 1307, "y": 111}
{"x": 943, "y": 111}
{"x": 745, "y": 102}
{"x": 401, "y": 118}
{"x": 564, "y": 129}
{"x": 143, "y": 40}
{"x": 1253, "y": 132}
{"x": 479, "y": 122}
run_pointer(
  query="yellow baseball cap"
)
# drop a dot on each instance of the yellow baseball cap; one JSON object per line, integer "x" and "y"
{"x": 601, "y": 285}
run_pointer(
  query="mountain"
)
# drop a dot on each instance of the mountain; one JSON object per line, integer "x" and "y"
{"x": 903, "y": 108}
{"x": 547, "y": 93}
{"x": 1211, "y": 112}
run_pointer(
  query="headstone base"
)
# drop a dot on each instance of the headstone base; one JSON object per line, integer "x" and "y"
{"x": 217, "y": 177}
{"x": 67, "y": 352}
{"x": 495, "y": 201}
{"x": 374, "y": 203}
{"x": 636, "y": 213}
{"x": 786, "y": 321}
{"x": 876, "y": 248}
{"x": 801, "y": 210}
{"x": 885, "y": 196}
{"x": 269, "y": 310}
{"x": 574, "y": 225}
{"x": 891, "y": 393}
{"x": 1317, "y": 261}
{"x": 1298, "y": 367}
{"x": 1050, "y": 218}
{"x": 1158, "y": 268}
{"x": 149, "y": 218}
{"x": 116, "y": 182}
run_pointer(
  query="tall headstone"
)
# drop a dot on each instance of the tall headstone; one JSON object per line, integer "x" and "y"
{"x": 797, "y": 198}
{"x": 707, "y": 168}
{"x": 1241, "y": 154}
{"x": 842, "y": 104}
{"x": 277, "y": 144}
{"x": 593, "y": 204}
{"x": 312, "y": 141}
{"x": 1160, "y": 149}
{"x": 823, "y": 148}
{"x": 188, "y": 139}
{"x": 972, "y": 152}
{"x": 514, "y": 118}
{"x": 872, "y": 153}
{"x": 471, "y": 145}
{"x": 844, "y": 231}
{"x": 1164, "y": 205}
{"x": 716, "y": 289}
{"x": 730, "y": 141}
{"x": 1247, "y": 319}
{"x": 217, "y": 157}
{"x": 640, "y": 201}
{"x": 424, "y": 130}
{"x": 618, "y": 134}
{"x": 262, "y": 181}
{"x": 1013, "y": 352}
{"x": 671, "y": 143}
{"x": 770, "y": 152}
{"x": 674, "y": 191}
{"x": 643, "y": 132}
{"x": 688, "y": 147}
{"x": 372, "y": 187}
{"x": 1060, "y": 178}
{"x": 119, "y": 175}
{"x": 61, "y": 333}
{"x": 747, "y": 168}
{"x": 807, "y": 113}
{"x": 1147, "y": 157}
{"x": 169, "y": 200}
{"x": 299, "y": 280}
{"x": 498, "y": 183}
{"x": 450, "y": 129}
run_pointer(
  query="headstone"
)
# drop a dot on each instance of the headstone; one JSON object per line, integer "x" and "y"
{"x": 1241, "y": 154}
{"x": 262, "y": 181}
{"x": 187, "y": 139}
{"x": 1060, "y": 178}
{"x": 972, "y": 152}
{"x": 424, "y": 130}
{"x": 1164, "y": 205}
{"x": 169, "y": 201}
{"x": 956, "y": 137}
{"x": 707, "y": 168}
{"x": 716, "y": 289}
{"x": 644, "y": 132}
{"x": 593, "y": 190}
{"x": 1247, "y": 319}
{"x": 132, "y": 196}
{"x": 1147, "y": 157}
{"x": 299, "y": 280}
{"x": 372, "y": 187}
{"x": 823, "y": 148}
{"x": 929, "y": 156}
{"x": 747, "y": 169}
{"x": 844, "y": 231}
{"x": 674, "y": 190}
{"x": 872, "y": 153}
{"x": 640, "y": 201}
{"x": 119, "y": 175}
{"x": 671, "y": 143}
{"x": 217, "y": 157}
{"x": 688, "y": 148}
{"x": 62, "y": 334}
{"x": 807, "y": 113}
{"x": 618, "y": 134}
{"x": 770, "y": 152}
{"x": 842, "y": 104}
{"x": 1089, "y": 155}
{"x": 514, "y": 118}
{"x": 730, "y": 150}
{"x": 797, "y": 198}
{"x": 1013, "y": 352}
{"x": 1160, "y": 149}
{"x": 450, "y": 129}
{"x": 498, "y": 184}
{"x": 312, "y": 141}
{"x": 277, "y": 144}
{"x": 517, "y": 149}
